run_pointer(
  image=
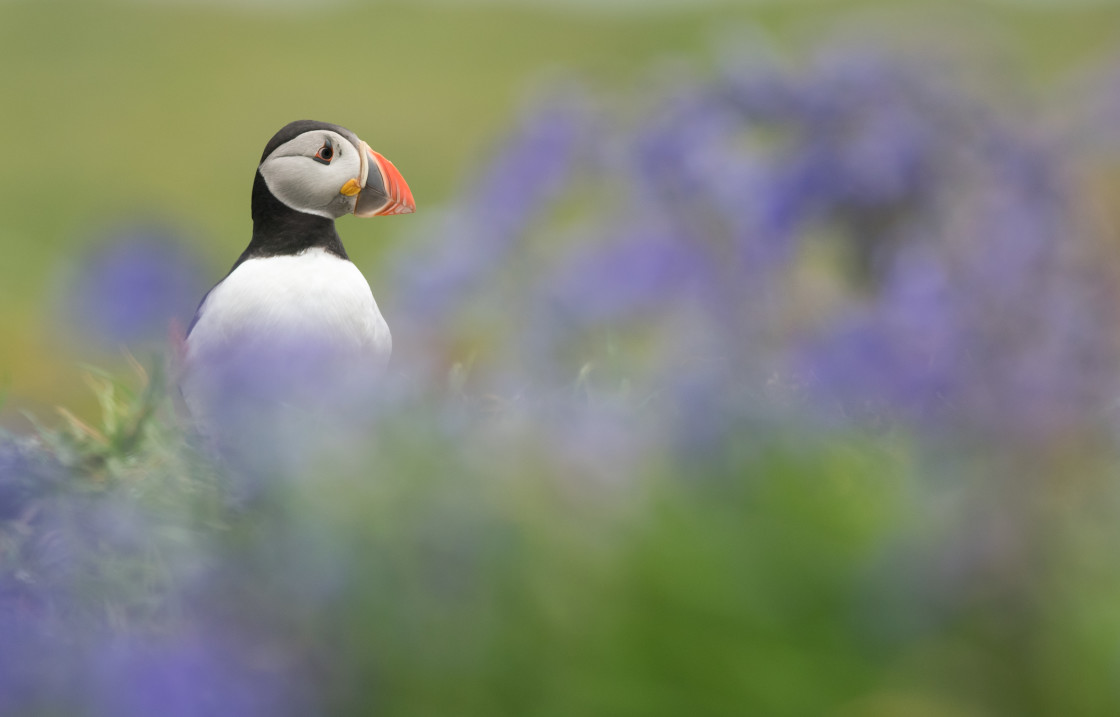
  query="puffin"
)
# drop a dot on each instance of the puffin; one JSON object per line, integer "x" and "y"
{"x": 294, "y": 315}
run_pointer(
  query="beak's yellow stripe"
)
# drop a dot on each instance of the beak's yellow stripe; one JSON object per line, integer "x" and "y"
{"x": 351, "y": 188}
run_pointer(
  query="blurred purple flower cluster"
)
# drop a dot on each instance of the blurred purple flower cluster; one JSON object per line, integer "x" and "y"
{"x": 111, "y": 600}
{"x": 118, "y": 676}
{"x": 862, "y": 239}
{"x": 133, "y": 282}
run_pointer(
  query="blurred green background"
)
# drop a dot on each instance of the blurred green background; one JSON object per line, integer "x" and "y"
{"x": 119, "y": 111}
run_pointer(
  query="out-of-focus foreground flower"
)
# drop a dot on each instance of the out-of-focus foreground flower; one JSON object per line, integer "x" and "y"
{"x": 132, "y": 282}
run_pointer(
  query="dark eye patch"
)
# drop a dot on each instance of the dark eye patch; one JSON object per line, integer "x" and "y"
{"x": 325, "y": 153}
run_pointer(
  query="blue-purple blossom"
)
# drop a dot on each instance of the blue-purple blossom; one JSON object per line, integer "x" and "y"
{"x": 947, "y": 230}
{"x": 183, "y": 676}
{"x": 275, "y": 405}
{"x": 132, "y": 284}
{"x": 505, "y": 193}
{"x": 28, "y": 470}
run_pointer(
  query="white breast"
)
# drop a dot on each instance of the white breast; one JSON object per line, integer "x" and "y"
{"x": 278, "y": 311}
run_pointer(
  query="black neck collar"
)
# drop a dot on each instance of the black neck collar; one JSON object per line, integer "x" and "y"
{"x": 279, "y": 230}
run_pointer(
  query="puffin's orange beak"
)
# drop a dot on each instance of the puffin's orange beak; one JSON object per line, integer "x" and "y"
{"x": 383, "y": 190}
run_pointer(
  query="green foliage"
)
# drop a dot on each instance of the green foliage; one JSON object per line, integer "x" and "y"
{"x": 801, "y": 573}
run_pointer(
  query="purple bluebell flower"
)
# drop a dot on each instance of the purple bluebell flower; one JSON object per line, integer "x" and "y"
{"x": 30, "y": 681}
{"x": 618, "y": 280}
{"x": 192, "y": 674}
{"x": 274, "y": 406}
{"x": 132, "y": 284}
{"x": 28, "y": 470}
{"x": 503, "y": 196}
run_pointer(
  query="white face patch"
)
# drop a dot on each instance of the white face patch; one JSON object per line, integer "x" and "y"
{"x": 298, "y": 175}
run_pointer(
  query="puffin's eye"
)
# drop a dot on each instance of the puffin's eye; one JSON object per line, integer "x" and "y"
{"x": 325, "y": 154}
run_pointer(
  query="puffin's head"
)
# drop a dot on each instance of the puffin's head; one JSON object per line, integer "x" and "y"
{"x": 323, "y": 169}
